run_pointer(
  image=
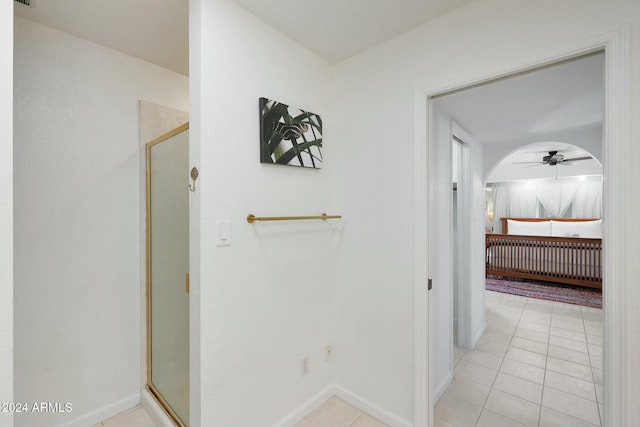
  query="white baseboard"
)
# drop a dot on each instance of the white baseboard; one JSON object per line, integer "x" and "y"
{"x": 442, "y": 387}
{"x": 154, "y": 411}
{"x": 105, "y": 412}
{"x": 370, "y": 408}
{"x": 348, "y": 396}
{"x": 479, "y": 333}
{"x": 306, "y": 408}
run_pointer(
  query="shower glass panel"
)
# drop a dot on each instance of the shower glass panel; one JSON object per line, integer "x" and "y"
{"x": 167, "y": 272}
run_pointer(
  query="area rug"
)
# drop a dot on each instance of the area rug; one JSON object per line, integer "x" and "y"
{"x": 544, "y": 290}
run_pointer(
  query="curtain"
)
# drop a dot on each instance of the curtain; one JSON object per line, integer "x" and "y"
{"x": 588, "y": 200}
{"x": 523, "y": 203}
{"x": 556, "y": 196}
{"x": 500, "y": 206}
{"x": 520, "y": 199}
{"x": 514, "y": 200}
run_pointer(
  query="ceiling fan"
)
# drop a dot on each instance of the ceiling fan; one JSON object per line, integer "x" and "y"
{"x": 553, "y": 159}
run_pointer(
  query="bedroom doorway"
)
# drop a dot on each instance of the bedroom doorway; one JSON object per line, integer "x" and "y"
{"x": 612, "y": 210}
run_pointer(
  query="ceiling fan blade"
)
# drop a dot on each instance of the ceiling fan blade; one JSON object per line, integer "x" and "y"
{"x": 575, "y": 159}
{"x": 544, "y": 151}
{"x": 528, "y": 163}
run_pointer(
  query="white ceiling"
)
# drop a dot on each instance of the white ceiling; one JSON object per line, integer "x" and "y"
{"x": 539, "y": 103}
{"x": 338, "y": 29}
{"x": 156, "y": 31}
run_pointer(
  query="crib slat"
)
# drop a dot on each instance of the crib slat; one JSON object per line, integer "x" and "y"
{"x": 556, "y": 259}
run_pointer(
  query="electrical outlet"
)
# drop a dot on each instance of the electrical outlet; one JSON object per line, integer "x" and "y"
{"x": 328, "y": 353}
{"x": 304, "y": 365}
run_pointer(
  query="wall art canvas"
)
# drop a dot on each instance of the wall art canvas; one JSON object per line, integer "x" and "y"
{"x": 289, "y": 136}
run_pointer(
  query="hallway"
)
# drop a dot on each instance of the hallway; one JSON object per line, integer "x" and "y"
{"x": 539, "y": 364}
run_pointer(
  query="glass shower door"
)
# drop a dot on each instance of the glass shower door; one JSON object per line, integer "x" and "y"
{"x": 167, "y": 272}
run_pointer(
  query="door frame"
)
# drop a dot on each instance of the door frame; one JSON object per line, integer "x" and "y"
{"x": 468, "y": 336}
{"x": 615, "y": 143}
{"x": 458, "y": 300}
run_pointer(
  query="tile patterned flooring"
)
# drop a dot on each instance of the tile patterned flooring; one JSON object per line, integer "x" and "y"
{"x": 134, "y": 417}
{"x": 539, "y": 364}
{"x": 334, "y": 412}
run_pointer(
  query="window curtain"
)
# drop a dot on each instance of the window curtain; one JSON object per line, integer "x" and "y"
{"x": 500, "y": 206}
{"x": 520, "y": 199}
{"x": 514, "y": 200}
{"x": 588, "y": 200}
{"x": 556, "y": 196}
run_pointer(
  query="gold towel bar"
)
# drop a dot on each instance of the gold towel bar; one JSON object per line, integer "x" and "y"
{"x": 251, "y": 218}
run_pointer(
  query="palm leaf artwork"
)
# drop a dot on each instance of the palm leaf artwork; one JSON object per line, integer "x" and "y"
{"x": 289, "y": 136}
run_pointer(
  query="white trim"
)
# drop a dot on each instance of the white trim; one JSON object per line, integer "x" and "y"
{"x": 616, "y": 145}
{"x": 348, "y": 396}
{"x": 7, "y": 294}
{"x": 615, "y": 167}
{"x": 442, "y": 387}
{"x": 423, "y": 405}
{"x": 479, "y": 333}
{"x": 307, "y": 407}
{"x": 467, "y": 236}
{"x": 155, "y": 412}
{"x": 105, "y": 412}
{"x": 370, "y": 408}
{"x": 461, "y": 260}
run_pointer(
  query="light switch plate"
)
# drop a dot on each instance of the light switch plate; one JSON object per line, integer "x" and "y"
{"x": 223, "y": 229}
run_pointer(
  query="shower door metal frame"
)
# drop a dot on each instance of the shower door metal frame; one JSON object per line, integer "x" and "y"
{"x": 166, "y": 407}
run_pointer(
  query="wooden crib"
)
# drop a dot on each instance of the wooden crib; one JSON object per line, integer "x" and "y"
{"x": 566, "y": 259}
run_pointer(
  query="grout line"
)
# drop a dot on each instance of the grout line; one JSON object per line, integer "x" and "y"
{"x": 356, "y": 419}
{"x": 593, "y": 376}
{"x": 546, "y": 361}
{"x": 555, "y": 310}
{"x": 484, "y": 404}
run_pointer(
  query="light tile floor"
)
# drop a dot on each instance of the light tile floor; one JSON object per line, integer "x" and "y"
{"x": 539, "y": 364}
{"x": 135, "y": 417}
{"x": 334, "y": 412}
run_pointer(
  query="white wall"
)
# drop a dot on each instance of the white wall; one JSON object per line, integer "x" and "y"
{"x": 77, "y": 224}
{"x": 195, "y": 137}
{"x": 6, "y": 209}
{"x": 267, "y": 300}
{"x": 373, "y": 114}
{"x": 374, "y": 189}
